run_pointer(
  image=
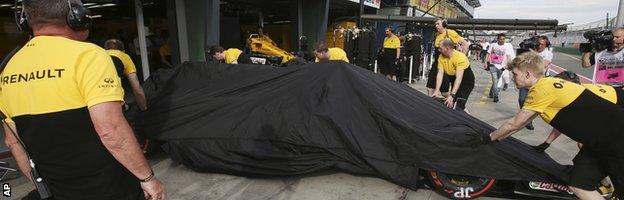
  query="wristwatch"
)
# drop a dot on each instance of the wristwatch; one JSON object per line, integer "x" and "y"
{"x": 148, "y": 178}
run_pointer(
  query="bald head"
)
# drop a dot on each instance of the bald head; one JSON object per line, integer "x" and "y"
{"x": 447, "y": 43}
{"x": 114, "y": 44}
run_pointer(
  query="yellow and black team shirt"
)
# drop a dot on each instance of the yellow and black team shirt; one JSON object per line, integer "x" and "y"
{"x": 129, "y": 66}
{"x": 46, "y": 90}
{"x": 392, "y": 42}
{"x": 576, "y": 111}
{"x": 232, "y": 55}
{"x": 451, "y": 64}
{"x": 609, "y": 93}
{"x": 451, "y": 34}
{"x": 336, "y": 54}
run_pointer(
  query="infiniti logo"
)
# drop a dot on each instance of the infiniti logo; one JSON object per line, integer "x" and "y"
{"x": 109, "y": 80}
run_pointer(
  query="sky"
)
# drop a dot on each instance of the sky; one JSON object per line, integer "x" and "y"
{"x": 566, "y": 11}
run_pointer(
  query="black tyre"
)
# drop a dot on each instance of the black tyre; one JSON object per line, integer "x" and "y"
{"x": 459, "y": 186}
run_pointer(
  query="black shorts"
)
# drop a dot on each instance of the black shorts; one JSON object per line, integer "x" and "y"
{"x": 388, "y": 66}
{"x": 465, "y": 88}
{"x": 433, "y": 73}
{"x": 591, "y": 167}
{"x": 467, "y": 83}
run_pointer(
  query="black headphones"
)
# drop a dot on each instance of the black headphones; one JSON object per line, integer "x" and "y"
{"x": 21, "y": 19}
{"x": 78, "y": 17}
{"x": 444, "y": 22}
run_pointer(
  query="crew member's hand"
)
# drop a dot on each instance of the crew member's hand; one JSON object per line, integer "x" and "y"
{"x": 542, "y": 147}
{"x": 449, "y": 101}
{"x": 153, "y": 189}
{"x": 478, "y": 139}
{"x": 436, "y": 93}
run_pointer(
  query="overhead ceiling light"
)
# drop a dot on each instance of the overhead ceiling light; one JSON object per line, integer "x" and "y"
{"x": 94, "y": 6}
{"x": 95, "y": 16}
{"x": 88, "y": 4}
{"x": 108, "y": 5}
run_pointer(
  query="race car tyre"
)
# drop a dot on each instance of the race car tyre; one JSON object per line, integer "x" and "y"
{"x": 459, "y": 186}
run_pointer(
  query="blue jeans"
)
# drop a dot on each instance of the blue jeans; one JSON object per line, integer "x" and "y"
{"x": 496, "y": 74}
{"x": 522, "y": 94}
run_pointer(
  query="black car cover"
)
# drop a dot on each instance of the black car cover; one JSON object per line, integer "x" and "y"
{"x": 262, "y": 121}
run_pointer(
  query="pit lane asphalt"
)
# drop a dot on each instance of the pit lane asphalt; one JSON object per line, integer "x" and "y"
{"x": 183, "y": 183}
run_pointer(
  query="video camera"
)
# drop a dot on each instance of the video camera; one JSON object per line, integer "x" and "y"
{"x": 528, "y": 44}
{"x": 598, "y": 41}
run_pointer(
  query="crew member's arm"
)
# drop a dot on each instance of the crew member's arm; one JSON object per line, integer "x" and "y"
{"x": 554, "y": 134}
{"x": 514, "y": 124}
{"x": 551, "y": 137}
{"x": 16, "y": 149}
{"x": 398, "y": 55}
{"x": 137, "y": 90}
{"x": 104, "y": 105}
{"x": 586, "y": 60}
{"x": 163, "y": 58}
{"x": 459, "y": 75}
{"x": 439, "y": 78}
{"x": 117, "y": 136}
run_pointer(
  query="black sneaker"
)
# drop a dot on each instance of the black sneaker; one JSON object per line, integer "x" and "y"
{"x": 495, "y": 99}
{"x": 505, "y": 86}
{"x": 529, "y": 126}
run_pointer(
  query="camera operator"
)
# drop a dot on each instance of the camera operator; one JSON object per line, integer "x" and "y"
{"x": 62, "y": 98}
{"x": 578, "y": 113}
{"x": 608, "y": 61}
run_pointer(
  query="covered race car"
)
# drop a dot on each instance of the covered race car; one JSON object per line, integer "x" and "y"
{"x": 263, "y": 121}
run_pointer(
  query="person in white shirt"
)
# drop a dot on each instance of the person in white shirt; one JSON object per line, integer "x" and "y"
{"x": 497, "y": 56}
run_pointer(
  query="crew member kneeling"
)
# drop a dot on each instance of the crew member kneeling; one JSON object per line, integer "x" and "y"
{"x": 456, "y": 66}
{"x": 578, "y": 113}
{"x": 323, "y": 53}
{"x": 230, "y": 56}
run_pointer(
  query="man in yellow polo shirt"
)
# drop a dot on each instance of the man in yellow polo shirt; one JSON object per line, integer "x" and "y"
{"x": 127, "y": 73}
{"x": 322, "y": 53}
{"x": 578, "y": 113}
{"x": 229, "y": 56}
{"x": 456, "y": 66}
{"x": 391, "y": 53}
{"x": 442, "y": 32}
{"x": 62, "y": 98}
